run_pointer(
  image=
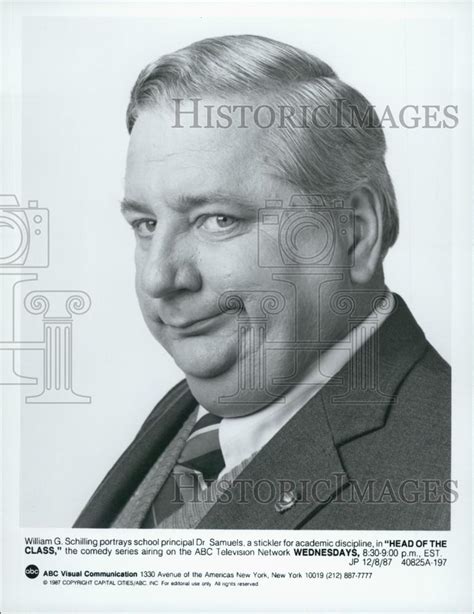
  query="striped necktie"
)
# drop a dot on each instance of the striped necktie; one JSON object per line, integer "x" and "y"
{"x": 202, "y": 452}
{"x": 199, "y": 464}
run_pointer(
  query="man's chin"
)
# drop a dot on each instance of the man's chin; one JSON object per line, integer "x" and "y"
{"x": 221, "y": 395}
{"x": 204, "y": 363}
{"x": 202, "y": 372}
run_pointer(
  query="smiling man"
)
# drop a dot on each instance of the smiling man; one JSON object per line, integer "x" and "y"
{"x": 262, "y": 208}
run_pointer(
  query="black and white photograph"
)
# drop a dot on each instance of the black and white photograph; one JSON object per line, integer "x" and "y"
{"x": 259, "y": 254}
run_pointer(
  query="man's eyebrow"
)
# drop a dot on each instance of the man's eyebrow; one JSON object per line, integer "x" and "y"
{"x": 127, "y": 204}
{"x": 189, "y": 201}
{"x": 186, "y": 201}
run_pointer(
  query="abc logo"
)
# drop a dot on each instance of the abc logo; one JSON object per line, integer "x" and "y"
{"x": 32, "y": 571}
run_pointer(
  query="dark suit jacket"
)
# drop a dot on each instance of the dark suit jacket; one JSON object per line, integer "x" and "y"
{"x": 370, "y": 451}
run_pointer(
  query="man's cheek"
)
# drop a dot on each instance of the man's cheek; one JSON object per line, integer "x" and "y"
{"x": 224, "y": 282}
{"x": 228, "y": 268}
{"x": 142, "y": 303}
{"x": 150, "y": 318}
{"x": 139, "y": 286}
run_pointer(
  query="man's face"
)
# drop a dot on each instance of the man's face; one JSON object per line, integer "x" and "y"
{"x": 193, "y": 197}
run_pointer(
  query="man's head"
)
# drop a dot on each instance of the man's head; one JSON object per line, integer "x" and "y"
{"x": 237, "y": 261}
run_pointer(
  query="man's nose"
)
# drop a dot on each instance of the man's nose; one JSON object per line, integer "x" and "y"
{"x": 169, "y": 266}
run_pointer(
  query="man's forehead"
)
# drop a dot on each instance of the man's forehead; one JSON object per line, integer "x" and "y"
{"x": 185, "y": 165}
{"x": 156, "y": 134}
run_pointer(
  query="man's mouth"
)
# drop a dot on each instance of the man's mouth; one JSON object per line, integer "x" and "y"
{"x": 193, "y": 326}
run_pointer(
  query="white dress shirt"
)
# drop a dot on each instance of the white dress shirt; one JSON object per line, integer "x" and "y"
{"x": 242, "y": 437}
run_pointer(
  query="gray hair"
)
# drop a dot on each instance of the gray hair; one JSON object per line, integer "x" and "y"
{"x": 332, "y": 160}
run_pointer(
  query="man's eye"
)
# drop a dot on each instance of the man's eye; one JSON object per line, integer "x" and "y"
{"x": 144, "y": 228}
{"x": 218, "y": 223}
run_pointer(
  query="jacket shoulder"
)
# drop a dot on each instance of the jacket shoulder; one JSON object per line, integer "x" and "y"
{"x": 426, "y": 389}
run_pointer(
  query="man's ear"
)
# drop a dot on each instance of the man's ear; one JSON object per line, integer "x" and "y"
{"x": 366, "y": 242}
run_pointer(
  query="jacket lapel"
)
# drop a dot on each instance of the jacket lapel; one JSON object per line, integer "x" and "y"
{"x": 303, "y": 458}
{"x": 358, "y": 400}
{"x": 130, "y": 469}
{"x": 300, "y": 453}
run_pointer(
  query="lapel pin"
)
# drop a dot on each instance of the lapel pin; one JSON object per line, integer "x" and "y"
{"x": 287, "y": 501}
